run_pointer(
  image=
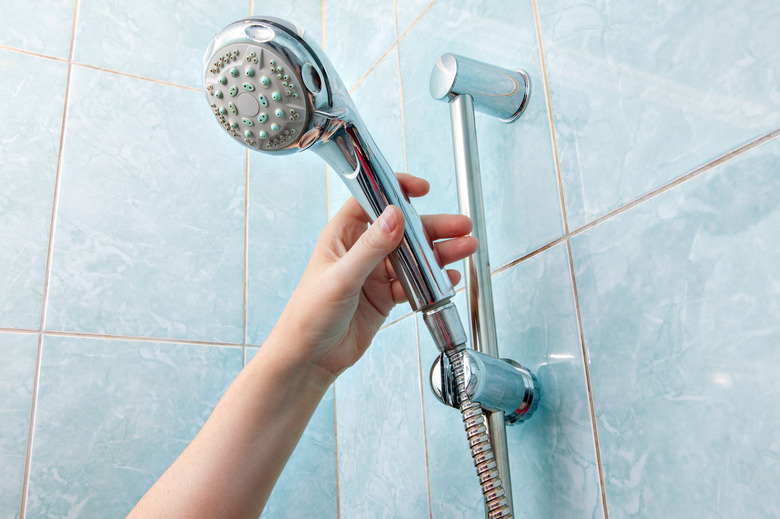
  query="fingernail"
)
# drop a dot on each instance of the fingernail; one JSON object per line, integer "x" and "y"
{"x": 387, "y": 220}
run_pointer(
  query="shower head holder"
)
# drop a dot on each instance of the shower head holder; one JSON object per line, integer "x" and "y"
{"x": 495, "y": 91}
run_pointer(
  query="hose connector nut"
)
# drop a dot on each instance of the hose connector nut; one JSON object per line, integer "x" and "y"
{"x": 445, "y": 326}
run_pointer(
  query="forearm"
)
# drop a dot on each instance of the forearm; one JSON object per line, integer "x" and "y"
{"x": 231, "y": 466}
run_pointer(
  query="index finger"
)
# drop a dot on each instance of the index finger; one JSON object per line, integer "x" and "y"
{"x": 413, "y": 186}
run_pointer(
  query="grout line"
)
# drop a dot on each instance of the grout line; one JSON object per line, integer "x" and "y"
{"x": 328, "y": 207}
{"x": 246, "y": 239}
{"x": 336, "y": 445}
{"x": 422, "y": 407}
{"x": 400, "y": 85}
{"x": 322, "y": 16}
{"x": 135, "y": 76}
{"x": 681, "y": 180}
{"x": 101, "y": 69}
{"x": 588, "y": 385}
{"x": 374, "y": 66}
{"x": 528, "y": 256}
{"x": 47, "y": 272}
{"x": 550, "y": 118}
{"x": 56, "y": 197}
{"x": 397, "y": 320}
{"x": 31, "y": 53}
{"x": 134, "y": 338}
{"x": 246, "y": 250}
{"x": 644, "y": 198}
{"x": 31, "y": 428}
{"x": 395, "y": 43}
{"x": 19, "y": 331}
{"x": 567, "y": 239}
{"x": 400, "y": 88}
{"x": 246, "y": 260}
{"x": 417, "y": 19}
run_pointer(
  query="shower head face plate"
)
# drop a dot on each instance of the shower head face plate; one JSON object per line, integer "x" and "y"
{"x": 257, "y": 96}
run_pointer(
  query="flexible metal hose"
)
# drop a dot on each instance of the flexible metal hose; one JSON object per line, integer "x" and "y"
{"x": 479, "y": 441}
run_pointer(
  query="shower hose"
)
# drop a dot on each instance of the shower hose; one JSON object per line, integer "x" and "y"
{"x": 479, "y": 441}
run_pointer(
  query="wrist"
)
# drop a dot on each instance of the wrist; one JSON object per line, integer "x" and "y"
{"x": 293, "y": 358}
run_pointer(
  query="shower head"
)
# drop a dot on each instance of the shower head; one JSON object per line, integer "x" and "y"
{"x": 270, "y": 87}
{"x": 273, "y": 90}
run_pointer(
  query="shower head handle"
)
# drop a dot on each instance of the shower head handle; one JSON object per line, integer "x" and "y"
{"x": 350, "y": 150}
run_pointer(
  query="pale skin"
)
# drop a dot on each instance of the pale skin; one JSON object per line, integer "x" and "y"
{"x": 344, "y": 296}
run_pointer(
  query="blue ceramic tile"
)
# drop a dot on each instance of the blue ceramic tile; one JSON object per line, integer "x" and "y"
{"x": 338, "y": 193}
{"x": 306, "y": 14}
{"x": 519, "y": 181}
{"x": 357, "y": 34}
{"x": 680, "y": 312}
{"x": 159, "y": 40}
{"x": 17, "y": 372}
{"x": 149, "y": 236}
{"x": 287, "y": 211}
{"x": 307, "y": 486}
{"x": 30, "y": 125}
{"x": 552, "y": 457}
{"x": 37, "y": 25}
{"x": 379, "y": 425}
{"x": 113, "y": 415}
{"x": 378, "y": 98}
{"x": 642, "y": 96}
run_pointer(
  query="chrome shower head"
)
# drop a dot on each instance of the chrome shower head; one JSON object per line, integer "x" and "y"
{"x": 270, "y": 86}
{"x": 273, "y": 89}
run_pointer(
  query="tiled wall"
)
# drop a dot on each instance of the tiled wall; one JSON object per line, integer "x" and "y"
{"x": 632, "y": 221}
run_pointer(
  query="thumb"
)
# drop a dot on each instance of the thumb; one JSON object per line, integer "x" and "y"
{"x": 381, "y": 238}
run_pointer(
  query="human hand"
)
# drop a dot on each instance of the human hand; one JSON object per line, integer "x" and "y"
{"x": 344, "y": 296}
{"x": 349, "y": 286}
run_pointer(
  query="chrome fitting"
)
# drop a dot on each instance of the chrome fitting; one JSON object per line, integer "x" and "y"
{"x": 496, "y": 91}
{"x": 496, "y": 384}
{"x": 445, "y": 326}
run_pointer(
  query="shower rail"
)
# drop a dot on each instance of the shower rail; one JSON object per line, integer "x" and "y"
{"x": 502, "y": 93}
{"x": 477, "y": 267}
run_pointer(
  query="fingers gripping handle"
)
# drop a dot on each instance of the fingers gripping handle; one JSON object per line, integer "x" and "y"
{"x": 372, "y": 182}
